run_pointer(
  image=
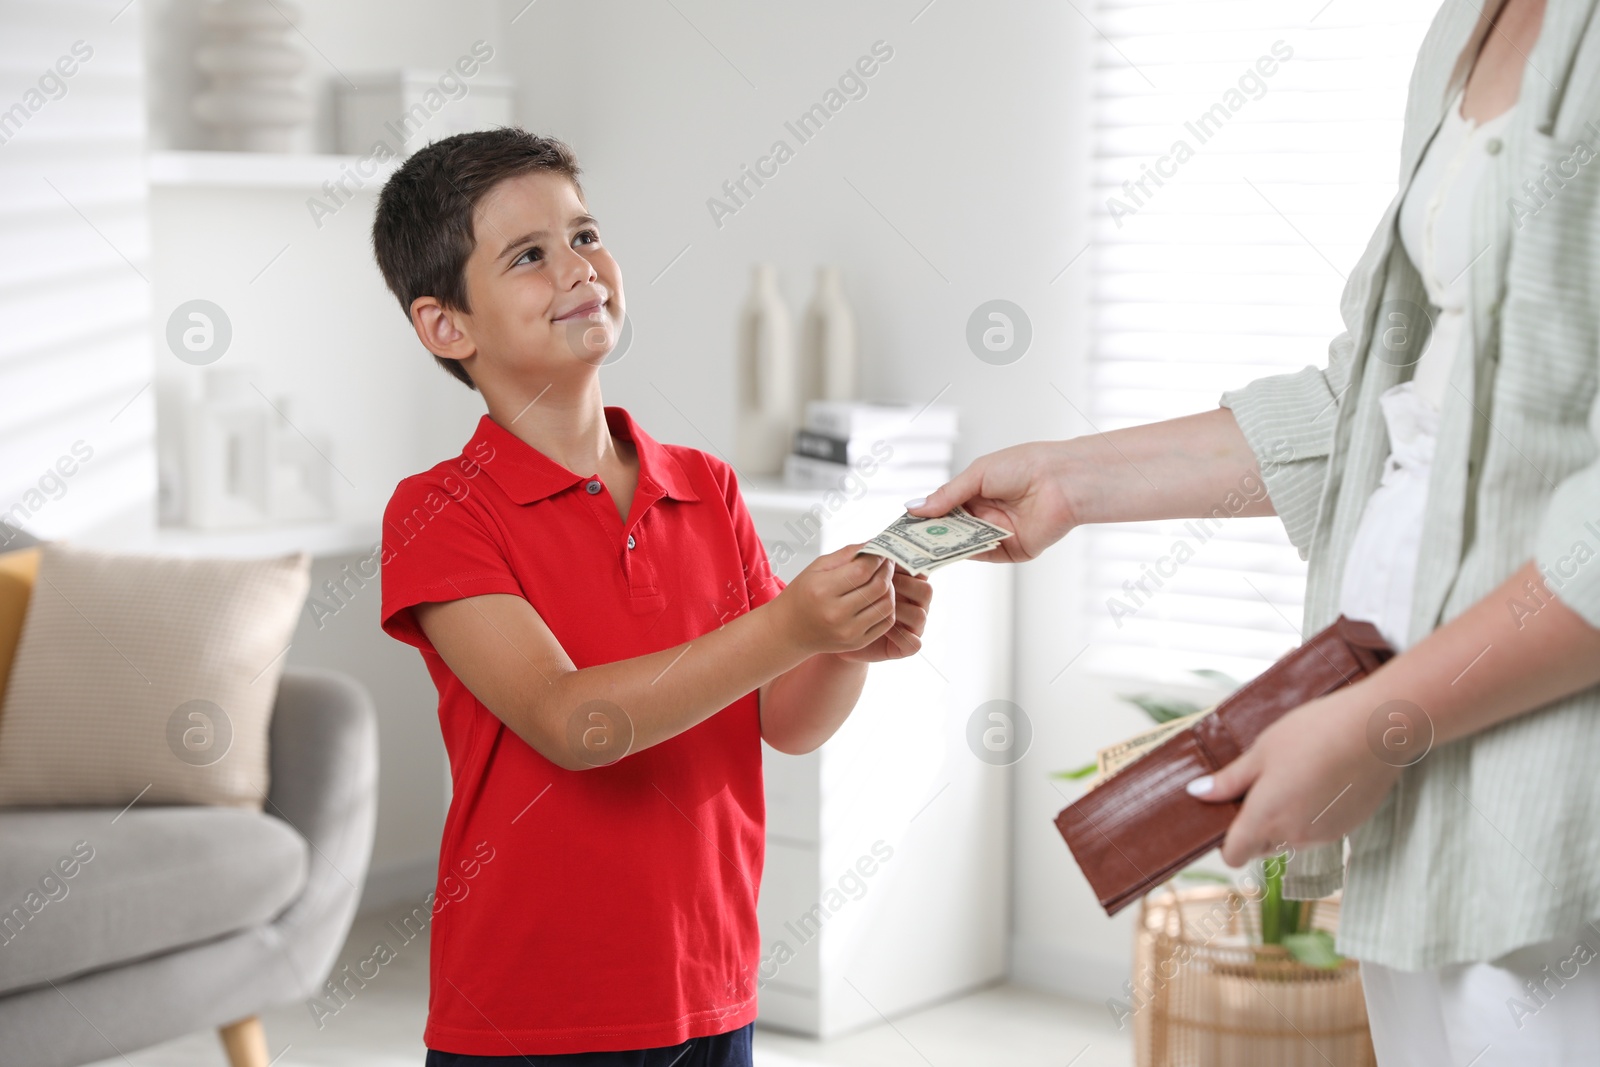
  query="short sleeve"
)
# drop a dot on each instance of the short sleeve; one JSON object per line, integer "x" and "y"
{"x": 1287, "y": 419}
{"x": 762, "y": 584}
{"x": 436, "y": 547}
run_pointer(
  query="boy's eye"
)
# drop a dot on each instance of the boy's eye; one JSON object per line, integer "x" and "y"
{"x": 532, "y": 251}
{"x": 592, "y": 235}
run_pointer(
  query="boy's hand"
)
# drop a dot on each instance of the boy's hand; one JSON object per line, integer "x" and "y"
{"x": 840, "y": 603}
{"x": 912, "y": 594}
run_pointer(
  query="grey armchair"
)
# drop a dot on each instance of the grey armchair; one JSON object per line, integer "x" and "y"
{"x": 189, "y": 918}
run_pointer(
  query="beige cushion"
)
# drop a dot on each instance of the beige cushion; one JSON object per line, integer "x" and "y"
{"x": 148, "y": 677}
{"x": 17, "y": 571}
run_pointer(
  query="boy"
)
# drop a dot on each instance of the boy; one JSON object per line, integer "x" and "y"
{"x": 609, "y": 645}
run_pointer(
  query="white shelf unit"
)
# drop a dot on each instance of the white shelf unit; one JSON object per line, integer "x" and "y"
{"x": 931, "y": 920}
{"x": 261, "y": 170}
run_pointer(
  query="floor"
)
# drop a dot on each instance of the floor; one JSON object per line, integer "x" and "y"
{"x": 382, "y": 1027}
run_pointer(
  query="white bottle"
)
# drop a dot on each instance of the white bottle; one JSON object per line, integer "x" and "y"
{"x": 229, "y": 452}
{"x": 766, "y": 378}
{"x": 302, "y": 489}
{"x": 831, "y": 370}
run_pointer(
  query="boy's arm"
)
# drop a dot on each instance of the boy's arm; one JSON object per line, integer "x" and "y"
{"x": 507, "y": 656}
{"x": 805, "y": 705}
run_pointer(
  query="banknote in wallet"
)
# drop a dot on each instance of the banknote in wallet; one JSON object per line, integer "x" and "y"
{"x": 1139, "y": 826}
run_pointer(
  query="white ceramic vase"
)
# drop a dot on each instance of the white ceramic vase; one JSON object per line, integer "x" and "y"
{"x": 254, "y": 102}
{"x": 302, "y": 487}
{"x": 830, "y": 369}
{"x": 766, "y": 377}
{"x": 229, "y": 453}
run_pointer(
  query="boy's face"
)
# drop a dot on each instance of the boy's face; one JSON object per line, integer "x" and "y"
{"x": 546, "y": 295}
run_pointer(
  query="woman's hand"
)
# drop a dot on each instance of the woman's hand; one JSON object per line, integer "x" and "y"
{"x": 1309, "y": 779}
{"x": 1020, "y": 488}
{"x": 912, "y": 594}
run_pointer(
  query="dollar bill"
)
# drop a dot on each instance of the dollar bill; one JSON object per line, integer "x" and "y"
{"x": 921, "y": 546}
{"x": 1115, "y": 757}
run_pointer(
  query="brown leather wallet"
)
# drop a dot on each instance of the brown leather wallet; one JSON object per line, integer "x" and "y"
{"x": 1140, "y": 826}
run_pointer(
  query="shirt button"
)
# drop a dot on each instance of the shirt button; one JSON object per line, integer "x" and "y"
{"x": 593, "y": 487}
{"x": 630, "y": 540}
{"x": 1492, "y": 146}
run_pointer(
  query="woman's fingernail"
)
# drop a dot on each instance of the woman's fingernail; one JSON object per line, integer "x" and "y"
{"x": 917, "y": 503}
{"x": 1200, "y": 786}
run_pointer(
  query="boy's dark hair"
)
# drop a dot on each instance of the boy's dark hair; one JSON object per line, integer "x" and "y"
{"x": 422, "y": 234}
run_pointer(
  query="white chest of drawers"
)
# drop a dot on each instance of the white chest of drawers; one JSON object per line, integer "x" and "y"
{"x": 887, "y": 880}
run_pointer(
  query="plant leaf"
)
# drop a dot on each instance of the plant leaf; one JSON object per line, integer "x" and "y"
{"x": 1195, "y": 874}
{"x": 1219, "y": 677}
{"x": 1272, "y": 903}
{"x": 1314, "y": 949}
{"x": 1078, "y": 773}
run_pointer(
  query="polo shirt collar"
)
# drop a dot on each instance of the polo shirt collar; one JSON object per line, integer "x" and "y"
{"x": 527, "y": 475}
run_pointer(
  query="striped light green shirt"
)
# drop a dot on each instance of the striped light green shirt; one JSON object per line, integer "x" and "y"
{"x": 1491, "y": 842}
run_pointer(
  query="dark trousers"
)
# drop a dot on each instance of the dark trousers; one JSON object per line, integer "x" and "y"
{"x": 731, "y": 1049}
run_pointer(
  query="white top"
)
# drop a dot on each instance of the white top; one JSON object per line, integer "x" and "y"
{"x": 1435, "y": 229}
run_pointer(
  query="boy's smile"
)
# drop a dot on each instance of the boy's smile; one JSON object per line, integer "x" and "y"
{"x": 546, "y": 294}
{"x": 588, "y": 309}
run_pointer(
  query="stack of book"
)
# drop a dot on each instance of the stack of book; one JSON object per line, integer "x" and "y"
{"x": 891, "y": 447}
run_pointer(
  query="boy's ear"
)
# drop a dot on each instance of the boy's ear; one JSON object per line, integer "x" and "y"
{"x": 441, "y": 330}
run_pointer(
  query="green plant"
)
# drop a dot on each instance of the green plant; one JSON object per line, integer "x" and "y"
{"x": 1288, "y": 922}
{"x": 1282, "y": 921}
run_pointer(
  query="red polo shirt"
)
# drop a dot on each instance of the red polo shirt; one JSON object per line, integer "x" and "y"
{"x": 610, "y": 908}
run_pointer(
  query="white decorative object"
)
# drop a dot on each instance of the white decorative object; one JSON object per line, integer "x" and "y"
{"x": 768, "y": 407}
{"x": 230, "y": 452}
{"x": 170, "y": 486}
{"x": 254, "y": 102}
{"x": 302, "y": 483}
{"x": 831, "y": 370}
{"x": 248, "y": 463}
{"x": 392, "y": 114}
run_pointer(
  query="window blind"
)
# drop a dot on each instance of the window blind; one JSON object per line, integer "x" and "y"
{"x": 1243, "y": 151}
{"x": 77, "y": 410}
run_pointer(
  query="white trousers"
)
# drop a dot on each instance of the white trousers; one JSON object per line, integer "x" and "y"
{"x": 1536, "y": 1007}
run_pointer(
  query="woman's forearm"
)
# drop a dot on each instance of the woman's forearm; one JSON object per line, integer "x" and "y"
{"x": 1180, "y": 468}
{"x": 804, "y": 706}
{"x": 1190, "y": 467}
{"x": 1517, "y": 649}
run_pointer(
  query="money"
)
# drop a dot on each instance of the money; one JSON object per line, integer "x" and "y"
{"x": 922, "y": 546}
{"x": 1117, "y": 756}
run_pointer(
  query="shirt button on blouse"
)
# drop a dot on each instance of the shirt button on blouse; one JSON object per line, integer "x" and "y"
{"x": 1492, "y": 146}
{"x": 630, "y": 540}
{"x": 593, "y": 487}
